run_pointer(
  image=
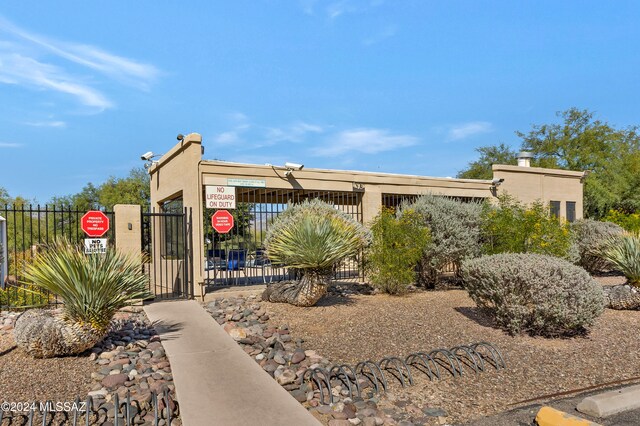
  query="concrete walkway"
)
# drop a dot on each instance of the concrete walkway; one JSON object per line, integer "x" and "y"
{"x": 217, "y": 383}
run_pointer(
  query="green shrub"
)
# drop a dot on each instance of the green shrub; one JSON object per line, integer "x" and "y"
{"x": 511, "y": 227}
{"x": 542, "y": 295}
{"x": 398, "y": 244}
{"x": 629, "y": 221}
{"x": 623, "y": 252}
{"x": 590, "y": 237}
{"x": 22, "y": 297}
{"x": 455, "y": 234}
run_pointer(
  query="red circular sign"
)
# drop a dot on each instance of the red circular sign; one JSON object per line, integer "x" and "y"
{"x": 95, "y": 223}
{"x": 222, "y": 221}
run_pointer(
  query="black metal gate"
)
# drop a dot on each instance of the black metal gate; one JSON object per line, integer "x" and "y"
{"x": 239, "y": 258}
{"x": 168, "y": 261}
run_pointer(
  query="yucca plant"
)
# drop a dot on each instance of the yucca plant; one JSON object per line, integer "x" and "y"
{"x": 623, "y": 252}
{"x": 91, "y": 287}
{"x": 311, "y": 238}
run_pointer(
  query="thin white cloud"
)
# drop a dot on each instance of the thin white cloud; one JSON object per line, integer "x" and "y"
{"x": 308, "y": 6}
{"x": 387, "y": 32}
{"x": 10, "y": 145}
{"x": 238, "y": 117}
{"x": 465, "y": 130}
{"x": 114, "y": 66}
{"x": 38, "y": 62}
{"x": 366, "y": 141}
{"x": 21, "y": 70}
{"x": 338, "y": 8}
{"x": 228, "y": 138}
{"x": 335, "y": 9}
{"x": 256, "y": 136}
{"x": 293, "y": 133}
{"x": 53, "y": 123}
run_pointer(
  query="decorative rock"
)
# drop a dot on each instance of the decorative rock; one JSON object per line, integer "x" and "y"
{"x": 339, "y": 415}
{"x": 107, "y": 355}
{"x": 237, "y": 333}
{"x": 299, "y": 395}
{"x": 298, "y": 356}
{"x": 98, "y": 393}
{"x": 287, "y": 377}
{"x": 270, "y": 366}
{"x": 434, "y": 412}
{"x": 336, "y": 422}
{"x": 114, "y": 380}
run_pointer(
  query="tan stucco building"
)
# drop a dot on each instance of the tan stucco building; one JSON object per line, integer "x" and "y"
{"x": 182, "y": 174}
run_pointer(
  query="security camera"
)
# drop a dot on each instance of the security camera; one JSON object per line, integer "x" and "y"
{"x": 180, "y": 137}
{"x": 293, "y": 166}
{"x": 497, "y": 182}
{"x": 147, "y": 156}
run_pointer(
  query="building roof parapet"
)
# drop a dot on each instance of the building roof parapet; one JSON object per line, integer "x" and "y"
{"x": 537, "y": 170}
{"x": 354, "y": 173}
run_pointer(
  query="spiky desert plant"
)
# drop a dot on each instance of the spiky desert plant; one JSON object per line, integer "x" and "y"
{"x": 623, "y": 252}
{"x": 91, "y": 287}
{"x": 311, "y": 237}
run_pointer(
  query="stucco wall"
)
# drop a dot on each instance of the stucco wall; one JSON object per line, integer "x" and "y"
{"x": 181, "y": 172}
{"x": 529, "y": 184}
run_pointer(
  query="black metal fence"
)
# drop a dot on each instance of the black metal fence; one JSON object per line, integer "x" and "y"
{"x": 29, "y": 229}
{"x": 169, "y": 267}
{"x": 158, "y": 410}
{"x": 239, "y": 258}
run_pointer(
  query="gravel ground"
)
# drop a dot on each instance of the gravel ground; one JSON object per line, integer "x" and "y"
{"x": 130, "y": 360}
{"x": 359, "y": 327}
{"x": 23, "y": 378}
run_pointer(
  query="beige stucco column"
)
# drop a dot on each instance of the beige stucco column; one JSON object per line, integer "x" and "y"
{"x": 128, "y": 228}
{"x": 177, "y": 175}
{"x": 371, "y": 203}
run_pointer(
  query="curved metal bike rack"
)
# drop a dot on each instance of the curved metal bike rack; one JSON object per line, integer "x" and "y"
{"x": 474, "y": 357}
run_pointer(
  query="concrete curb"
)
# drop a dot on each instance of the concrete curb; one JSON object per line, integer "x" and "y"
{"x": 548, "y": 416}
{"x": 611, "y": 402}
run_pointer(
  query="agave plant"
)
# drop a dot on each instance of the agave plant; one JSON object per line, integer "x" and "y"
{"x": 91, "y": 287}
{"x": 623, "y": 252}
{"x": 311, "y": 237}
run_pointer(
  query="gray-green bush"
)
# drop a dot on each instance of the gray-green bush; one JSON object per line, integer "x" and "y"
{"x": 590, "y": 238}
{"x": 455, "y": 233}
{"x": 539, "y": 294}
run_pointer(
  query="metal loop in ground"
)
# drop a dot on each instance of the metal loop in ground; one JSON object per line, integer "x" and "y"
{"x": 473, "y": 356}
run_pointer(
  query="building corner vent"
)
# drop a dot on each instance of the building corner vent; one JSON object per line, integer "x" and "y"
{"x": 524, "y": 159}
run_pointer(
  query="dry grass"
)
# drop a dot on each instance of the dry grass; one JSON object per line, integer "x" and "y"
{"x": 371, "y": 327}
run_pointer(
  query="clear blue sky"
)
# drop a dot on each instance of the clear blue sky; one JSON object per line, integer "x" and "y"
{"x": 395, "y": 86}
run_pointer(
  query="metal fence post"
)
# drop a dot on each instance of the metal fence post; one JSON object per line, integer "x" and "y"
{"x": 3, "y": 252}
